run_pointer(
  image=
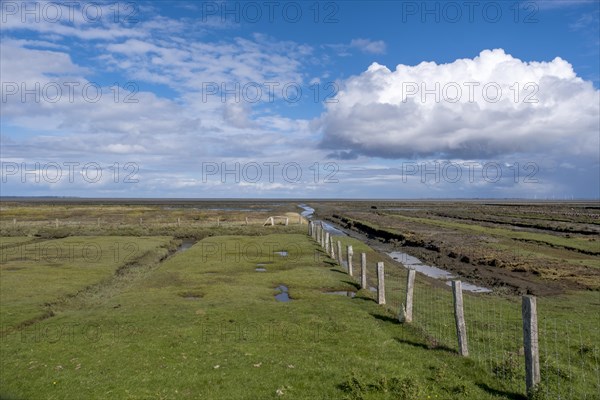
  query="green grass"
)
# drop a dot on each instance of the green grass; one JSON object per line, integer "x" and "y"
{"x": 568, "y": 328}
{"x": 6, "y": 242}
{"x": 574, "y": 243}
{"x": 35, "y": 275}
{"x": 205, "y": 325}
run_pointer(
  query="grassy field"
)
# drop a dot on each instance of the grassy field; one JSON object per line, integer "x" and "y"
{"x": 205, "y": 324}
{"x": 108, "y": 309}
{"x": 38, "y": 275}
{"x": 569, "y": 328}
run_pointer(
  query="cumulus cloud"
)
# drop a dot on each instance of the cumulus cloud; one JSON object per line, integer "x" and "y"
{"x": 491, "y": 105}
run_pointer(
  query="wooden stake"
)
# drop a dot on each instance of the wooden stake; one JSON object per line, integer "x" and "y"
{"x": 363, "y": 270}
{"x": 350, "y": 254}
{"x": 530, "y": 343}
{"x": 380, "y": 284}
{"x": 459, "y": 316}
{"x": 408, "y": 308}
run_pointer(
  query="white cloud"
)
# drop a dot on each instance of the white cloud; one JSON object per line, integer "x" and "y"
{"x": 369, "y": 46}
{"x": 377, "y": 114}
{"x": 366, "y": 46}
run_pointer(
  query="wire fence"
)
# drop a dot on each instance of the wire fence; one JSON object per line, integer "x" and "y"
{"x": 566, "y": 351}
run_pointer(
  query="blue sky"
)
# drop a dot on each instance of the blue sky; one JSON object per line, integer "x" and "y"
{"x": 346, "y": 99}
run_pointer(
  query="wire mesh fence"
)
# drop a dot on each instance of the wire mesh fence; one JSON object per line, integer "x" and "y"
{"x": 569, "y": 349}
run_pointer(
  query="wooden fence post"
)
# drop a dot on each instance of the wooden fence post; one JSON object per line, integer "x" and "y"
{"x": 317, "y": 234}
{"x": 459, "y": 316}
{"x": 56, "y": 222}
{"x": 530, "y": 343}
{"x": 363, "y": 270}
{"x": 331, "y": 250}
{"x": 339, "y": 252}
{"x": 178, "y": 221}
{"x": 350, "y": 254}
{"x": 327, "y": 240}
{"x": 408, "y": 307}
{"x": 380, "y": 284}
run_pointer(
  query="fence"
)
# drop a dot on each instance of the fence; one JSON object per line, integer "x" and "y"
{"x": 519, "y": 341}
{"x": 115, "y": 220}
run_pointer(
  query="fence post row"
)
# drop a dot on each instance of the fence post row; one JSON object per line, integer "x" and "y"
{"x": 459, "y": 317}
{"x": 380, "y": 284}
{"x": 529, "y": 304}
{"x": 530, "y": 343}
{"x": 408, "y": 307}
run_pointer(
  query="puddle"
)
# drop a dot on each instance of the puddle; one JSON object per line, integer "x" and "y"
{"x": 372, "y": 289}
{"x": 411, "y": 262}
{"x": 347, "y": 293}
{"x": 185, "y": 245}
{"x": 260, "y": 269}
{"x": 283, "y": 294}
{"x": 282, "y": 253}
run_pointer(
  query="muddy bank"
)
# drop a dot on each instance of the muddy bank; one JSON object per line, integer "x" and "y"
{"x": 492, "y": 276}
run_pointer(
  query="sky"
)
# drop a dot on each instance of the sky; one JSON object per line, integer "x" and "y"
{"x": 301, "y": 99}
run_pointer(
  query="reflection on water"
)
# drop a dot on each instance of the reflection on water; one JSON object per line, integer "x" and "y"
{"x": 411, "y": 262}
{"x": 185, "y": 244}
{"x": 283, "y": 294}
{"x": 308, "y": 211}
{"x": 332, "y": 230}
